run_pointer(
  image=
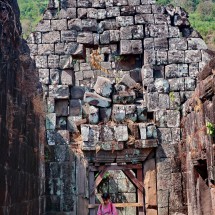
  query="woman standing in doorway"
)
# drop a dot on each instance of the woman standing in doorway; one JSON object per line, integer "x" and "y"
{"x": 107, "y": 208}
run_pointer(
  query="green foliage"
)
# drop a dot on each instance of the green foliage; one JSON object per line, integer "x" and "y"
{"x": 31, "y": 13}
{"x": 210, "y": 128}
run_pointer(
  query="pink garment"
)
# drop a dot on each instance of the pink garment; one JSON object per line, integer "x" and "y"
{"x": 110, "y": 209}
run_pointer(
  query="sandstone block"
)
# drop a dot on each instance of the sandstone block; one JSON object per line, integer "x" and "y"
{"x": 176, "y": 84}
{"x": 174, "y": 31}
{"x": 68, "y": 13}
{"x": 178, "y": 43}
{"x": 102, "y": 14}
{"x": 59, "y": 25}
{"x": 164, "y": 101}
{"x": 61, "y": 107}
{"x": 60, "y": 137}
{"x": 164, "y": 135}
{"x": 103, "y": 86}
{"x": 120, "y": 2}
{"x": 141, "y": 113}
{"x": 107, "y": 133}
{"x": 43, "y": 26}
{"x": 67, "y": 77}
{"x": 176, "y": 56}
{"x": 128, "y": 81}
{"x": 193, "y": 56}
{"x": 162, "y": 19}
{"x": 96, "y": 100}
{"x": 190, "y": 83}
{"x": 142, "y": 128}
{"x": 123, "y": 21}
{"x": 113, "y": 12}
{"x": 124, "y": 97}
{"x": 69, "y": 36}
{"x": 85, "y": 38}
{"x": 161, "y": 57}
{"x": 176, "y": 70}
{"x": 131, "y": 47}
{"x": 130, "y": 112}
{"x": 75, "y": 24}
{"x": 68, "y": 3}
{"x": 162, "y": 85}
{"x": 118, "y": 113}
{"x": 105, "y": 37}
{"x": 54, "y": 76}
{"x": 59, "y": 91}
{"x": 71, "y": 125}
{"x": 90, "y": 133}
{"x": 89, "y": 25}
{"x": 98, "y": 3}
{"x": 51, "y": 37}
{"x": 45, "y": 49}
{"x": 84, "y": 3}
{"x": 77, "y": 92}
{"x": 93, "y": 115}
{"x": 158, "y": 30}
{"x": 50, "y": 121}
{"x": 149, "y": 44}
{"x": 41, "y": 61}
{"x": 44, "y": 76}
{"x": 114, "y": 35}
{"x": 144, "y": 19}
{"x": 105, "y": 114}
{"x": 121, "y": 132}
{"x": 151, "y": 132}
{"x": 127, "y": 10}
{"x": 161, "y": 44}
{"x": 75, "y": 107}
{"x": 53, "y": 61}
{"x": 92, "y": 13}
{"x": 144, "y": 9}
{"x": 153, "y": 101}
{"x": 149, "y": 57}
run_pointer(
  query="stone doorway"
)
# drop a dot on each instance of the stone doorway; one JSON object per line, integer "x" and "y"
{"x": 131, "y": 201}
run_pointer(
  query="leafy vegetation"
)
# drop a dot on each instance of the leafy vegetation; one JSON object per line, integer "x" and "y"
{"x": 31, "y": 13}
{"x": 202, "y": 15}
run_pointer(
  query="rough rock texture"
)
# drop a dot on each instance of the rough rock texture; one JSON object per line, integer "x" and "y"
{"x": 197, "y": 148}
{"x": 22, "y": 176}
{"x": 152, "y": 56}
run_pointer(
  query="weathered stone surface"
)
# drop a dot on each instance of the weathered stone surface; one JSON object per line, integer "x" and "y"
{"x": 162, "y": 86}
{"x": 96, "y": 100}
{"x": 85, "y": 38}
{"x": 103, "y": 87}
{"x": 105, "y": 114}
{"x": 192, "y": 56}
{"x": 75, "y": 107}
{"x": 59, "y": 91}
{"x": 121, "y": 132}
{"x": 118, "y": 113}
{"x": 176, "y": 70}
{"x": 51, "y": 121}
{"x": 93, "y": 115}
{"x": 61, "y": 107}
{"x": 124, "y": 97}
{"x": 131, "y": 47}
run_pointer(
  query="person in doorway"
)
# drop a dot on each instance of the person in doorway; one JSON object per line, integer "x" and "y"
{"x": 107, "y": 208}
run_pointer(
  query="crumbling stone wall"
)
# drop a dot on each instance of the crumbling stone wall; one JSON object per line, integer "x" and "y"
{"x": 156, "y": 48}
{"x": 21, "y": 161}
{"x": 197, "y": 148}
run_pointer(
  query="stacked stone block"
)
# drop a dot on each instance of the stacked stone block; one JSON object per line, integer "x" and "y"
{"x": 78, "y": 41}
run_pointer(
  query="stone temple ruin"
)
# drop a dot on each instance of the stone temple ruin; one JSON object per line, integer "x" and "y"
{"x": 128, "y": 88}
